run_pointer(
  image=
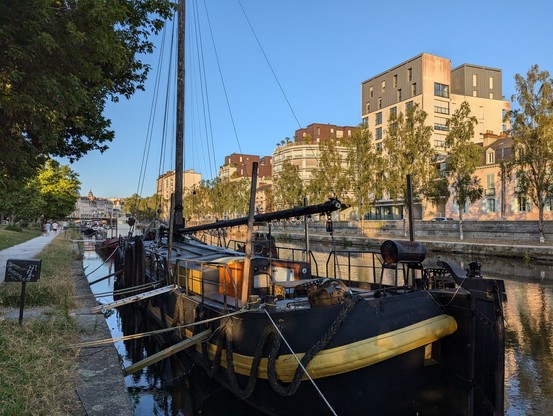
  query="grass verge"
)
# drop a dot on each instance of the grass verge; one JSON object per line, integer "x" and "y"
{"x": 37, "y": 372}
{"x": 9, "y": 238}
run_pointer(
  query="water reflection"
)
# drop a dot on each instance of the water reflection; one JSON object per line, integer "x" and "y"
{"x": 174, "y": 387}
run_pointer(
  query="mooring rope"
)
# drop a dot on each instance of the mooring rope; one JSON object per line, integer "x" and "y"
{"x": 104, "y": 262}
{"x": 101, "y": 342}
{"x": 125, "y": 291}
{"x": 300, "y": 363}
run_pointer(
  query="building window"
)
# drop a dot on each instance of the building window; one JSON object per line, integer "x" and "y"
{"x": 379, "y": 133}
{"x": 408, "y": 105}
{"x": 503, "y": 114}
{"x": 475, "y": 93}
{"x": 490, "y": 184}
{"x": 410, "y": 74}
{"x": 503, "y": 127}
{"x": 441, "y": 127}
{"x": 371, "y": 92}
{"x": 378, "y": 119}
{"x": 368, "y": 107}
{"x": 491, "y": 158}
{"x": 441, "y": 90}
{"x": 474, "y": 80}
{"x": 379, "y": 104}
{"x": 491, "y": 95}
{"x": 414, "y": 89}
{"x": 522, "y": 204}
{"x": 491, "y": 83}
{"x": 399, "y": 94}
{"x": 490, "y": 205}
{"x": 395, "y": 81}
{"x": 440, "y": 144}
{"x": 442, "y": 108}
{"x": 378, "y": 147}
{"x": 383, "y": 86}
{"x": 393, "y": 112}
{"x": 318, "y": 131}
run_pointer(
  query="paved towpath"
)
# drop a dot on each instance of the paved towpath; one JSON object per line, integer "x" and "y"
{"x": 23, "y": 251}
{"x": 100, "y": 385}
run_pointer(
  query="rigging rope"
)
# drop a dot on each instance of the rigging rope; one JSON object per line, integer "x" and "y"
{"x": 300, "y": 363}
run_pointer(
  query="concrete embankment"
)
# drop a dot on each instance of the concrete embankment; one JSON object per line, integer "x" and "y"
{"x": 486, "y": 238}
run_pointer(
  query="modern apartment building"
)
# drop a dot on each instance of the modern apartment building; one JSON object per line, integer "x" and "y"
{"x": 429, "y": 81}
{"x": 304, "y": 150}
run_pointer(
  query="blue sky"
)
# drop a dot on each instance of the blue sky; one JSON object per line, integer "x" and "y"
{"x": 320, "y": 51}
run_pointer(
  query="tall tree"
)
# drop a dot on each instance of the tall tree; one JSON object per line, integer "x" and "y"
{"x": 60, "y": 61}
{"x": 462, "y": 159}
{"x": 21, "y": 200}
{"x": 409, "y": 151}
{"x": 288, "y": 187}
{"x": 329, "y": 179}
{"x": 142, "y": 209}
{"x": 59, "y": 187}
{"x": 532, "y": 132}
{"x": 364, "y": 169}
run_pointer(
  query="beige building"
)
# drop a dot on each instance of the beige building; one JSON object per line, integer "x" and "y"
{"x": 91, "y": 207}
{"x": 429, "y": 81}
{"x": 166, "y": 187}
{"x": 499, "y": 201}
{"x": 439, "y": 90}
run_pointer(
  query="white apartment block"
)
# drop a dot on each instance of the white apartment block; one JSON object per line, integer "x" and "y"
{"x": 429, "y": 81}
{"x": 304, "y": 150}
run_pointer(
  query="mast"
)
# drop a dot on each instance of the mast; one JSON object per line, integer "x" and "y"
{"x": 179, "y": 146}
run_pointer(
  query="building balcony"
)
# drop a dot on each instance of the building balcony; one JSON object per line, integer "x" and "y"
{"x": 490, "y": 191}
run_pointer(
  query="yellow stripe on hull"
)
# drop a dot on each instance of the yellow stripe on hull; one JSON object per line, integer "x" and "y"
{"x": 353, "y": 356}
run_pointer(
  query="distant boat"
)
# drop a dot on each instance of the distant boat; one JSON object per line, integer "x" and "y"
{"x": 291, "y": 341}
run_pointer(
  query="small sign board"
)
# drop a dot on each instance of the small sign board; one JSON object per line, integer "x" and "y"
{"x": 22, "y": 270}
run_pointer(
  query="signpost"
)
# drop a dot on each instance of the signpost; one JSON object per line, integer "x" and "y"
{"x": 22, "y": 271}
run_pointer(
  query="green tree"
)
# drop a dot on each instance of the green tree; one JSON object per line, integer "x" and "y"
{"x": 329, "y": 179}
{"x": 408, "y": 150}
{"x": 532, "y": 132}
{"x": 21, "y": 200}
{"x": 438, "y": 191}
{"x": 288, "y": 187}
{"x": 141, "y": 208}
{"x": 59, "y": 187}
{"x": 60, "y": 61}
{"x": 364, "y": 169}
{"x": 462, "y": 159}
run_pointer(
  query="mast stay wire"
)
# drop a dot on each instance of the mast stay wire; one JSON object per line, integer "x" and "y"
{"x": 151, "y": 118}
{"x": 317, "y": 157}
{"x": 206, "y": 108}
{"x": 222, "y": 80}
